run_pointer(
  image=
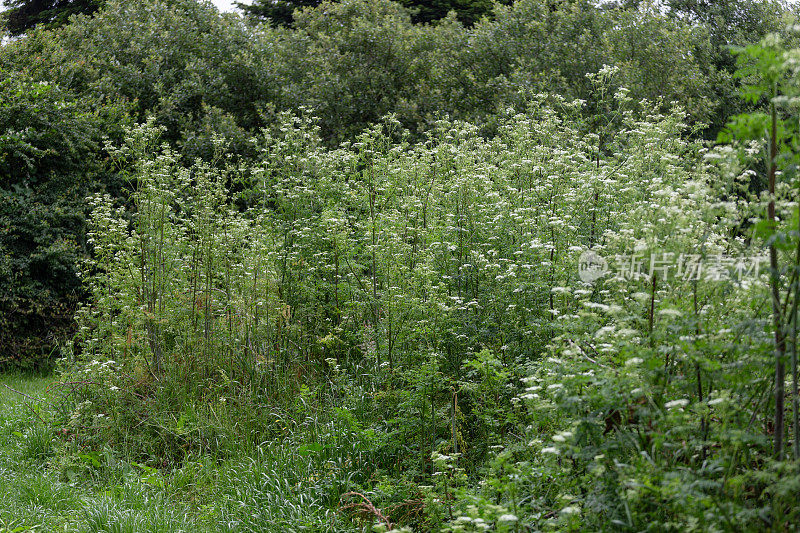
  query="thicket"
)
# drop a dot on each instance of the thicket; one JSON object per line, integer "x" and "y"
{"x": 337, "y": 267}
{"x": 412, "y": 315}
{"x": 351, "y": 63}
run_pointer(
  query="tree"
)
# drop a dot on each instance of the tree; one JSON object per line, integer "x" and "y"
{"x": 22, "y": 15}
{"x": 725, "y": 23}
{"x": 468, "y": 11}
{"x": 177, "y": 60}
{"x": 657, "y": 57}
{"x": 280, "y": 12}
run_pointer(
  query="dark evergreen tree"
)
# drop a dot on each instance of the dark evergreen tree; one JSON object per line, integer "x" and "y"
{"x": 468, "y": 11}
{"x": 277, "y": 11}
{"x": 22, "y": 15}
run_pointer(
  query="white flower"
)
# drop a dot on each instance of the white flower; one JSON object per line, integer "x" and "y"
{"x": 605, "y": 330}
{"x": 563, "y": 436}
{"x": 551, "y": 449}
{"x": 634, "y": 361}
{"x": 572, "y": 509}
{"x": 507, "y": 518}
{"x": 676, "y": 403}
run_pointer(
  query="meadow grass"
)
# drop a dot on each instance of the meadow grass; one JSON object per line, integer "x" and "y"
{"x": 274, "y": 489}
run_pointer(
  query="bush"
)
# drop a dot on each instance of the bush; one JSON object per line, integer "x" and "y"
{"x": 47, "y": 164}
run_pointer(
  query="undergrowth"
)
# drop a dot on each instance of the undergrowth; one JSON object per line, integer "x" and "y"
{"x": 402, "y": 335}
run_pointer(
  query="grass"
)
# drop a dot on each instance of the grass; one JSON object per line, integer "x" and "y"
{"x": 275, "y": 489}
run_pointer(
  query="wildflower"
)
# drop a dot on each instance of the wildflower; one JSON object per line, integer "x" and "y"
{"x": 676, "y": 403}
{"x": 634, "y": 361}
{"x": 551, "y": 449}
{"x": 595, "y": 305}
{"x": 571, "y": 509}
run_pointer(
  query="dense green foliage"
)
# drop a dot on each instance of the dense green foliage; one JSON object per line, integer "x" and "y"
{"x": 353, "y": 62}
{"x": 22, "y": 15}
{"x": 48, "y": 163}
{"x": 331, "y": 275}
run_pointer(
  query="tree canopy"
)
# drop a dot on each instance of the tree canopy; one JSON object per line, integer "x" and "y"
{"x": 23, "y": 15}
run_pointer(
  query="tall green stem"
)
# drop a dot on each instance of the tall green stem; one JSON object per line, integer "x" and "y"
{"x": 795, "y": 400}
{"x": 795, "y": 406}
{"x": 780, "y": 347}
